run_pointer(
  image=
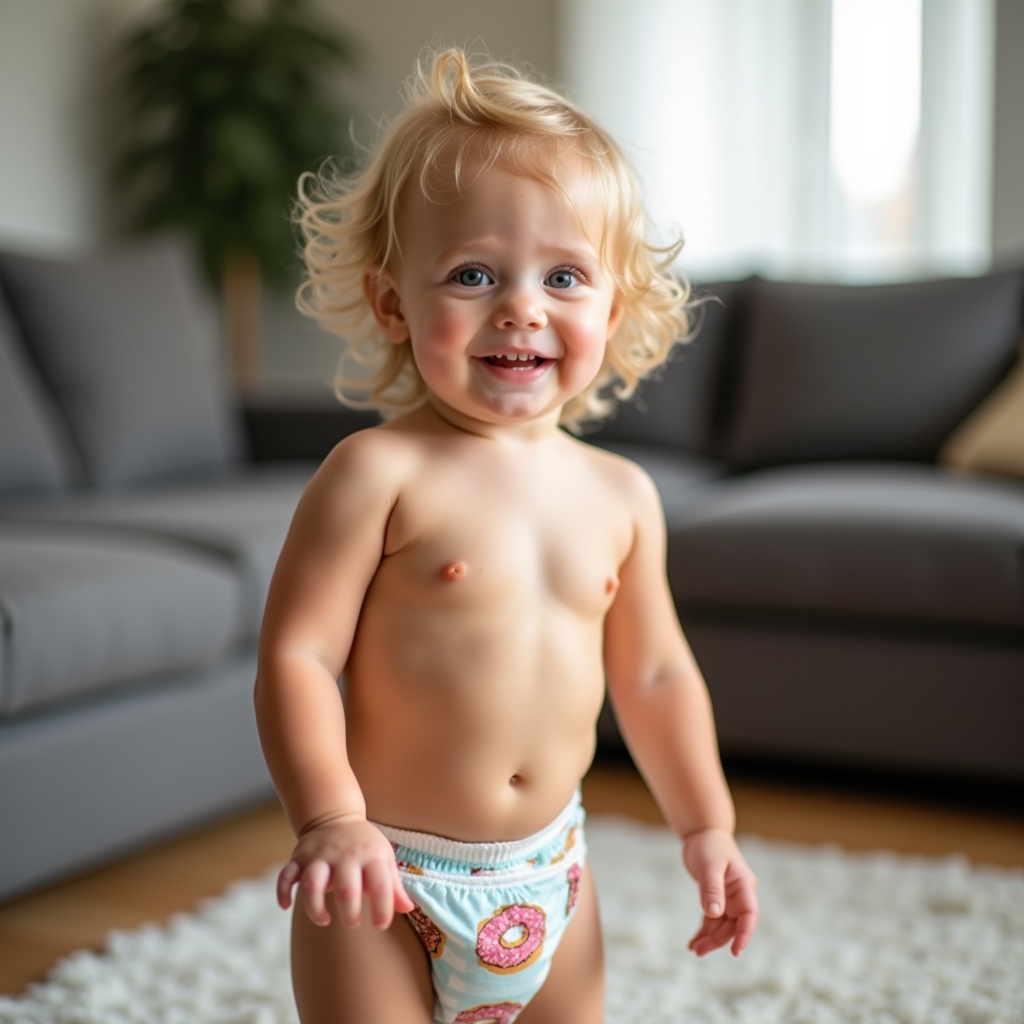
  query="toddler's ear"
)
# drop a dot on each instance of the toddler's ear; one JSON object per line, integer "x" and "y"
{"x": 386, "y": 304}
{"x": 617, "y": 312}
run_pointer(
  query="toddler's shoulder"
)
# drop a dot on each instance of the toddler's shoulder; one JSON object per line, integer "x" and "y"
{"x": 627, "y": 480}
{"x": 368, "y": 463}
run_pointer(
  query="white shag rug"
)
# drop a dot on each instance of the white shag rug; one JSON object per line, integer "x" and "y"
{"x": 844, "y": 939}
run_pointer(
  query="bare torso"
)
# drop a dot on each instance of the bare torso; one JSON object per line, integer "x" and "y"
{"x": 476, "y": 676}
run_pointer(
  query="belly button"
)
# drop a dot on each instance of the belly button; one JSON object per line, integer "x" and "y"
{"x": 515, "y": 780}
{"x": 454, "y": 571}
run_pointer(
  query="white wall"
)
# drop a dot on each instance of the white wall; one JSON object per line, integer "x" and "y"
{"x": 395, "y": 32}
{"x": 49, "y": 168}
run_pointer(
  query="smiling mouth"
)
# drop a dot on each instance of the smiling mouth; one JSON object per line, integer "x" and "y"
{"x": 516, "y": 361}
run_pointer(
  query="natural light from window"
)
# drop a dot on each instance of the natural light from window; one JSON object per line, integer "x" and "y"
{"x": 875, "y": 94}
{"x": 836, "y": 139}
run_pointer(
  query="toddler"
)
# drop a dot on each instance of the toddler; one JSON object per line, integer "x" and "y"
{"x": 479, "y": 574}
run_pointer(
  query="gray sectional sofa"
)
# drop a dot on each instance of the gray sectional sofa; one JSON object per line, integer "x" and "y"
{"x": 137, "y": 538}
{"x": 849, "y": 599}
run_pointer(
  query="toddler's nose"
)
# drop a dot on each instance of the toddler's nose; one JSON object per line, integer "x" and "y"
{"x": 519, "y": 310}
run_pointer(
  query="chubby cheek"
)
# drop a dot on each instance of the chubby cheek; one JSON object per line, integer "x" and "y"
{"x": 586, "y": 342}
{"x": 437, "y": 337}
{"x": 446, "y": 328}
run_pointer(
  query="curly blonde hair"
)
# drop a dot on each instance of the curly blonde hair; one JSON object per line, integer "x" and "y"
{"x": 457, "y": 108}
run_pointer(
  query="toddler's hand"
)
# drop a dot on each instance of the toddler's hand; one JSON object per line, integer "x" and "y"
{"x": 351, "y": 858}
{"x": 728, "y": 891}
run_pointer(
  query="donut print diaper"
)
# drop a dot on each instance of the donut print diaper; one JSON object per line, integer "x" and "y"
{"x": 491, "y": 915}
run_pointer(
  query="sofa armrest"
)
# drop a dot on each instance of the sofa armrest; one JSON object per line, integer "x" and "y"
{"x": 298, "y": 427}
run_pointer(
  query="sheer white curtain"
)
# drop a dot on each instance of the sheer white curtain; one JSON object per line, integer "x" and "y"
{"x": 817, "y": 138}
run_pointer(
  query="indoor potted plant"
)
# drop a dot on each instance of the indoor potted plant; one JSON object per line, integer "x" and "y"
{"x": 227, "y": 102}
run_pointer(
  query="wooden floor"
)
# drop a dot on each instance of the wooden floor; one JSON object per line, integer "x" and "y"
{"x": 38, "y": 930}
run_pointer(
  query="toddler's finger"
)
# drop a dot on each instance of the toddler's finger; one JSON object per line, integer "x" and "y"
{"x": 286, "y": 879}
{"x": 712, "y": 890}
{"x": 403, "y": 902}
{"x": 377, "y": 883}
{"x": 714, "y": 933}
{"x": 745, "y": 925}
{"x": 313, "y": 886}
{"x": 348, "y": 893}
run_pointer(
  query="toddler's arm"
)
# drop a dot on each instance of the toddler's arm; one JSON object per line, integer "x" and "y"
{"x": 664, "y": 711}
{"x": 331, "y": 553}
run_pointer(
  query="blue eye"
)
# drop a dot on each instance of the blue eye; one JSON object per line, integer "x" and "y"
{"x": 564, "y": 277}
{"x": 472, "y": 277}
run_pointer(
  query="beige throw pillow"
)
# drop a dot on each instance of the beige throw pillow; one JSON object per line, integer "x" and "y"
{"x": 991, "y": 439}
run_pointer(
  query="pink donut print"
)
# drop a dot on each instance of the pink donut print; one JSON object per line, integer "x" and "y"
{"x": 575, "y": 872}
{"x": 496, "y": 1013}
{"x": 512, "y": 939}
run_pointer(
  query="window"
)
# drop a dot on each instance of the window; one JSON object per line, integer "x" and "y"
{"x": 842, "y": 139}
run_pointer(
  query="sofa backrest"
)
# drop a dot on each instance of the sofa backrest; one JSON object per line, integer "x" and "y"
{"x": 123, "y": 347}
{"x": 35, "y": 451}
{"x": 867, "y": 372}
{"x": 679, "y": 405}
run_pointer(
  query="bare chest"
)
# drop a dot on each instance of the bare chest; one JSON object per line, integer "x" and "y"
{"x": 500, "y": 539}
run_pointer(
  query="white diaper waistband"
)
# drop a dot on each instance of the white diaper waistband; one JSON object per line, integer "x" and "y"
{"x": 487, "y": 854}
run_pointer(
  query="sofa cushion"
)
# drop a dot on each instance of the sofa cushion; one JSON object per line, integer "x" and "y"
{"x": 676, "y": 405}
{"x": 34, "y": 450}
{"x": 884, "y": 543}
{"x": 241, "y": 519}
{"x": 128, "y": 350}
{"x": 991, "y": 439}
{"x": 95, "y": 780}
{"x": 82, "y": 611}
{"x": 868, "y": 373}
